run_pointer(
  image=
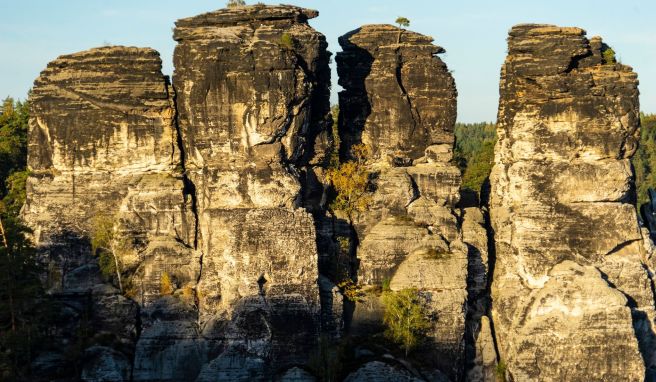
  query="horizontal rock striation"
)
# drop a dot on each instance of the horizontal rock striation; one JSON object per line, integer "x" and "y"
{"x": 383, "y": 69}
{"x": 399, "y": 100}
{"x": 252, "y": 87}
{"x": 104, "y": 164}
{"x": 572, "y": 299}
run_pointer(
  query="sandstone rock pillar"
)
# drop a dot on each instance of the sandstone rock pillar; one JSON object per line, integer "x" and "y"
{"x": 251, "y": 92}
{"x": 571, "y": 297}
{"x": 399, "y": 100}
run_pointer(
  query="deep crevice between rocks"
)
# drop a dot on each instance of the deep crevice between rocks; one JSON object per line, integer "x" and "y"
{"x": 189, "y": 188}
{"x": 491, "y": 259}
{"x": 642, "y": 331}
{"x": 416, "y": 120}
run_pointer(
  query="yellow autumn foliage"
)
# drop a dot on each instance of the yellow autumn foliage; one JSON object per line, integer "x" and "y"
{"x": 350, "y": 180}
{"x": 165, "y": 284}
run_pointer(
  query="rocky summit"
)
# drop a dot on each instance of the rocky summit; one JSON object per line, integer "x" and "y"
{"x": 409, "y": 236}
{"x": 572, "y": 292}
{"x": 227, "y": 226}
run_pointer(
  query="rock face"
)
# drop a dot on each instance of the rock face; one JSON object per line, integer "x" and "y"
{"x": 184, "y": 227}
{"x": 103, "y": 162}
{"x": 399, "y": 100}
{"x": 572, "y": 295}
{"x": 252, "y": 95}
{"x": 200, "y": 211}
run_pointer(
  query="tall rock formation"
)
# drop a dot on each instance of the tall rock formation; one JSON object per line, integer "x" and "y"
{"x": 399, "y": 100}
{"x": 174, "y": 222}
{"x": 572, "y": 294}
{"x": 104, "y": 163}
{"x": 252, "y": 95}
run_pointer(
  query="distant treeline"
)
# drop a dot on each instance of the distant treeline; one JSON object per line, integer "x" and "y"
{"x": 644, "y": 160}
{"x": 474, "y": 153}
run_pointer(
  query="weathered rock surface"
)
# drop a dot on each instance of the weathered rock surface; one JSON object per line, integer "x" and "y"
{"x": 103, "y": 160}
{"x": 200, "y": 211}
{"x": 399, "y": 97}
{"x": 399, "y": 100}
{"x": 380, "y": 371}
{"x": 252, "y": 95}
{"x": 572, "y": 297}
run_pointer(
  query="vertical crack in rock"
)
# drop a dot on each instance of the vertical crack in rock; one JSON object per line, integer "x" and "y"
{"x": 481, "y": 348}
{"x": 399, "y": 99}
{"x": 248, "y": 118}
{"x": 399, "y": 79}
{"x": 568, "y": 246}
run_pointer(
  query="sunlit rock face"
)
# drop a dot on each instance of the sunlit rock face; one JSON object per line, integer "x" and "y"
{"x": 198, "y": 197}
{"x": 399, "y": 100}
{"x": 104, "y": 162}
{"x": 252, "y": 88}
{"x": 572, "y": 295}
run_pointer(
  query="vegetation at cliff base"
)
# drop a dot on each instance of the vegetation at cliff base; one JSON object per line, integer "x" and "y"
{"x": 474, "y": 153}
{"x": 405, "y": 318}
{"x": 326, "y": 361}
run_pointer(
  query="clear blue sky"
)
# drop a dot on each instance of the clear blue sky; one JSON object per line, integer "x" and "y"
{"x": 473, "y": 32}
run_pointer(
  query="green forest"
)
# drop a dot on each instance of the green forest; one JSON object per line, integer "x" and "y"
{"x": 474, "y": 153}
{"x": 23, "y": 308}
{"x": 644, "y": 160}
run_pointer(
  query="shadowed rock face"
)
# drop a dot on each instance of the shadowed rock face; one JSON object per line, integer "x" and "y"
{"x": 252, "y": 94}
{"x": 569, "y": 252}
{"x": 399, "y": 99}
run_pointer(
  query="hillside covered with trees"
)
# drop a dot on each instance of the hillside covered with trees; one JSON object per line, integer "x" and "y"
{"x": 474, "y": 153}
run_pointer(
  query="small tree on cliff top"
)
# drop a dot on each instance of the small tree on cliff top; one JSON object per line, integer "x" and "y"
{"x": 402, "y": 22}
{"x": 235, "y": 3}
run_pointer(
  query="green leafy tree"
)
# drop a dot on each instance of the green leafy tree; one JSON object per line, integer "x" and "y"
{"x": 13, "y": 139}
{"x": 287, "y": 41}
{"x": 608, "y": 56}
{"x": 405, "y": 318}
{"x": 102, "y": 242}
{"x": 402, "y": 22}
{"x": 235, "y": 3}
